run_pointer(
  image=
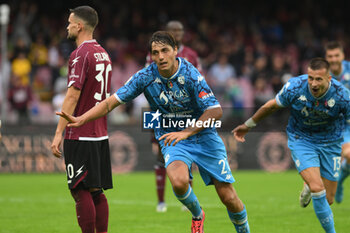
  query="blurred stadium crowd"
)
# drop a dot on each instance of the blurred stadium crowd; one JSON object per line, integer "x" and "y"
{"x": 247, "y": 50}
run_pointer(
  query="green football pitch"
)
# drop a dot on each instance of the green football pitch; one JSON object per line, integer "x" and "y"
{"x": 41, "y": 203}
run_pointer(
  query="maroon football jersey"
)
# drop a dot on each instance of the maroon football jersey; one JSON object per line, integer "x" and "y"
{"x": 185, "y": 52}
{"x": 89, "y": 69}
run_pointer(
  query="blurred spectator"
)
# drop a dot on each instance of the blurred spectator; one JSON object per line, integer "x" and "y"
{"x": 279, "y": 68}
{"x": 262, "y": 91}
{"x": 38, "y": 54}
{"x": 260, "y": 69}
{"x": 24, "y": 19}
{"x": 60, "y": 89}
{"x": 20, "y": 96}
{"x": 220, "y": 76}
{"x": 21, "y": 67}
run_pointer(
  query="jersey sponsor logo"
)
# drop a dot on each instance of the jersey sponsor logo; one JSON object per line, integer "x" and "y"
{"x": 75, "y": 60}
{"x": 170, "y": 84}
{"x": 178, "y": 94}
{"x": 163, "y": 97}
{"x": 314, "y": 114}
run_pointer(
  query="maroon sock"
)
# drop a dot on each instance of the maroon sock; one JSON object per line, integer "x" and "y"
{"x": 160, "y": 181}
{"x": 85, "y": 210}
{"x": 101, "y": 206}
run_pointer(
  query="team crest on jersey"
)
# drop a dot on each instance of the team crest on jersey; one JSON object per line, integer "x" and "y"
{"x": 170, "y": 84}
{"x": 181, "y": 80}
{"x": 347, "y": 76}
{"x": 330, "y": 102}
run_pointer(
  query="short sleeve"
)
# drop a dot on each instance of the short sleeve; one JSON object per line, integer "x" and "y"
{"x": 284, "y": 96}
{"x": 78, "y": 63}
{"x": 204, "y": 95}
{"x": 131, "y": 89}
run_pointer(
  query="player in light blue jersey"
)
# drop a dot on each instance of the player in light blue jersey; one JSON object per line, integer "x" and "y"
{"x": 177, "y": 92}
{"x": 340, "y": 70}
{"x": 318, "y": 106}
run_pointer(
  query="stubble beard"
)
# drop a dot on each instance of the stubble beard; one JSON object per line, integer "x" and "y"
{"x": 71, "y": 37}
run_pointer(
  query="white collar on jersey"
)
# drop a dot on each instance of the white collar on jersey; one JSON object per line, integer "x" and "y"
{"x": 175, "y": 74}
{"x": 88, "y": 41}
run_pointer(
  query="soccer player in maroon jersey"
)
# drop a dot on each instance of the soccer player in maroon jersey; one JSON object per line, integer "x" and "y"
{"x": 177, "y": 30}
{"x": 86, "y": 148}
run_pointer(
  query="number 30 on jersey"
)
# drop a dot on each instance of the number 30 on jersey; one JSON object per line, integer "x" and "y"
{"x": 102, "y": 77}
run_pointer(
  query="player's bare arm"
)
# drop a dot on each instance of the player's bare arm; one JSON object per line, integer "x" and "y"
{"x": 267, "y": 109}
{"x": 68, "y": 106}
{"x": 94, "y": 113}
{"x": 214, "y": 113}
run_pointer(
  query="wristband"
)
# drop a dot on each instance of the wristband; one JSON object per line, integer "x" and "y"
{"x": 250, "y": 123}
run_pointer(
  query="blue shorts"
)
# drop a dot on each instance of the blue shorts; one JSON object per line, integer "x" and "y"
{"x": 346, "y": 134}
{"x": 207, "y": 151}
{"x": 326, "y": 156}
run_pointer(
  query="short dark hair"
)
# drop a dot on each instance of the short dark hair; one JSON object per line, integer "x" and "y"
{"x": 163, "y": 37}
{"x": 333, "y": 45}
{"x": 319, "y": 63}
{"x": 87, "y": 14}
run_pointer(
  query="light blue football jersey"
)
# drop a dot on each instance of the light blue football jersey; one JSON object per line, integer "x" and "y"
{"x": 186, "y": 93}
{"x": 318, "y": 120}
{"x": 344, "y": 77}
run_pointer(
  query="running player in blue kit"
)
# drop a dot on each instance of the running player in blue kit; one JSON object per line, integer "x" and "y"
{"x": 340, "y": 70}
{"x": 318, "y": 106}
{"x": 174, "y": 86}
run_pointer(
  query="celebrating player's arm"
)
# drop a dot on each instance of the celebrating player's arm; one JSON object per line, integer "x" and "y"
{"x": 68, "y": 106}
{"x": 209, "y": 114}
{"x": 94, "y": 113}
{"x": 267, "y": 109}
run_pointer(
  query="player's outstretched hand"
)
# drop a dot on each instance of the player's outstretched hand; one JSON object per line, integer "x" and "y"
{"x": 174, "y": 137}
{"x": 74, "y": 121}
{"x": 55, "y": 146}
{"x": 240, "y": 131}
